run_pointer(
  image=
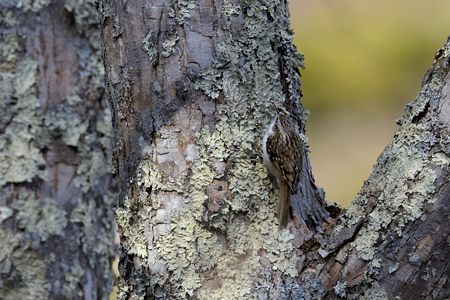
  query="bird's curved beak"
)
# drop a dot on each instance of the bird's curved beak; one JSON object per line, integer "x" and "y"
{"x": 280, "y": 109}
{"x": 277, "y": 109}
{"x": 284, "y": 110}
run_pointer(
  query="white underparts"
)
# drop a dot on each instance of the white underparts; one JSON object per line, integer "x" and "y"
{"x": 266, "y": 160}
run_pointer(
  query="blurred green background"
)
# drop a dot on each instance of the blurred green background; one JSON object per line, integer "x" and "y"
{"x": 364, "y": 61}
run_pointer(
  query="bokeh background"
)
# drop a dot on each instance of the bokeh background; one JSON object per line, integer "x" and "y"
{"x": 364, "y": 61}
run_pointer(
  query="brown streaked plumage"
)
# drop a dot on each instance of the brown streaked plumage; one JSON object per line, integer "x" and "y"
{"x": 282, "y": 147}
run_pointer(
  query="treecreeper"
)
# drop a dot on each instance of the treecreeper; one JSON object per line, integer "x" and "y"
{"x": 282, "y": 155}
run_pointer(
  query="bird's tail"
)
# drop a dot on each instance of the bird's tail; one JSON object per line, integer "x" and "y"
{"x": 284, "y": 205}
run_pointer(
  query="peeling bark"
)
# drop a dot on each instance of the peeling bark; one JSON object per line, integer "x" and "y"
{"x": 191, "y": 85}
{"x": 56, "y": 218}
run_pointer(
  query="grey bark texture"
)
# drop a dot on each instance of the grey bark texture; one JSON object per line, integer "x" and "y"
{"x": 393, "y": 242}
{"x": 191, "y": 85}
{"x": 56, "y": 188}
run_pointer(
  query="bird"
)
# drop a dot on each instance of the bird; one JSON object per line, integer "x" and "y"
{"x": 282, "y": 155}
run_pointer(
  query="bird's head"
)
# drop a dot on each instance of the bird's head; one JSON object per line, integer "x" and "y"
{"x": 281, "y": 110}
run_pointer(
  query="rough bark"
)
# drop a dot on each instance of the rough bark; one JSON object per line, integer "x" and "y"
{"x": 191, "y": 85}
{"x": 56, "y": 218}
{"x": 393, "y": 242}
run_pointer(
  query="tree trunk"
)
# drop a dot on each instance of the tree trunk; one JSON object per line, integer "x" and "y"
{"x": 192, "y": 85}
{"x": 56, "y": 218}
{"x": 192, "y": 88}
{"x": 393, "y": 242}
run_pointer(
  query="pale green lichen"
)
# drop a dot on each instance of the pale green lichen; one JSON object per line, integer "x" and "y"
{"x": 171, "y": 12}
{"x": 29, "y": 130}
{"x": 234, "y": 138}
{"x": 9, "y": 243}
{"x": 402, "y": 185}
{"x": 189, "y": 249}
{"x": 184, "y": 9}
{"x": 33, "y": 5}
{"x": 73, "y": 277}
{"x": 31, "y": 268}
{"x": 86, "y": 214}
{"x": 230, "y": 9}
{"x": 21, "y": 157}
{"x": 94, "y": 144}
{"x": 136, "y": 239}
{"x": 372, "y": 291}
{"x": 168, "y": 46}
{"x": 23, "y": 263}
{"x": 441, "y": 159}
{"x": 45, "y": 218}
{"x": 86, "y": 19}
{"x": 74, "y": 131}
{"x": 5, "y": 213}
{"x": 246, "y": 231}
{"x": 380, "y": 218}
{"x": 150, "y": 175}
{"x": 149, "y": 46}
{"x": 147, "y": 175}
{"x": 72, "y": 128}
{"x": 340, "y": 289}
{"x": 211, "y": 83}
{"x": 8, "y": 17}
{"x": 407, "y": 166}
{"x": 194, "y": 245}
{"x": 245, "y": 173}
{"x": 408, "y": 186}
{"x": 236, "y": 275}
{"x": 8, "y": 50}
{"x": 89, "y": 174}
{"x": 202, "y": 175}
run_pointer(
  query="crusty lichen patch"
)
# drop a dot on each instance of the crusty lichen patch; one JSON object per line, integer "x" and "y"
{"x": 50, "y": 199}
{"x": 169, "y": 44}
{"x": 26, "y": 264}
{"x": 86, "y": 20}
{"x": 403, "y": 182}
{"x": 33, "y": 5}
{"x": 43, "y": 218}
{"x": 184, "y": 8}
{"x": 148, "y": 44}
{"x": 20, "y": 158}
{"x": 164, "y": 222}
{"x": 409, "y": 186}
{"x": 371, "y": 291}
{"x": 230, "y": 9}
